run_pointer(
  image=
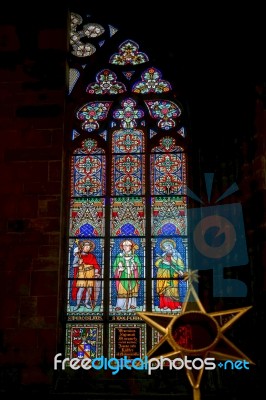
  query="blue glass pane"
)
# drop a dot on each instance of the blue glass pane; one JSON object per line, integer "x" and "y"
{"x": 86, "y": 230}
{"x": 168, "y": 229}
{"x": 127, "y": 230}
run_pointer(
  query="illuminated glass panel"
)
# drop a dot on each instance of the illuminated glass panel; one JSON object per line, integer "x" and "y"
{"x": 87, "y": 175}
{"x": 103, "y": 135}
{"x": 93, "y": 112}
{"x": 128, "y": 114}
{"x": 84, "y": 340}
{"x": 152, "y": 133}
{"x": 167, "y": 145}
{"x": 151, "y": 82}
{"x": 86, "y": 231}
{"x": 87, "y": 217}
{"x": 106, "y": 83}
{"x": 85, "y": 289}
{"x": 169, "y": 216}
{"x": 112, "y": 30}
{"x": 127, "y": 237}
{"x": 128, "y": 74}
{"x": 156, "y": 337}
{"x": 168, "y": 168}
{"x": 182, "y": 132}
{"x": 128, "y": 141}
{"x": 82, "y": 50}
{"x": 75, "y": 134}
{"x": 168, "y": 226}
{"x": 128, "y": 175}
{"x": 88, "y": 146}
{"x": 73, "y": 77}
{"x": 165, "y": 111}
{"x": 169, "y": 262}
{"x": 129, "y": 54}
{"x": 128, "y": 172}
{"x": 167, "y": 178}
{"x": 91, "y": 30}
{"x": 127, "y": 271}
{"x": 88, "y": 170}
{"x": 127, "y": 340}
{"x": 128, "y": 216}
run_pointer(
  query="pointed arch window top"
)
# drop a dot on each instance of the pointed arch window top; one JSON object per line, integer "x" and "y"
{"x": 128, "y": 54}
{"x": 89, "y": 146}
{"x": 128, "y": 141}
{"x": 165, "y": 111}
{"x": 128, "y": 114}
{"x": 167, "y": 145}
{"x": 106, "y": 83}
{"x": 93, "y": 112}
{"x": 151, "y": 83}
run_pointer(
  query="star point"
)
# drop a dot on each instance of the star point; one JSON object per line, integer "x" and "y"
{"x": 194, "y": 332}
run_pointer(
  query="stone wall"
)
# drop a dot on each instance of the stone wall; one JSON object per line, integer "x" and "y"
{"x": 32, "y": 91}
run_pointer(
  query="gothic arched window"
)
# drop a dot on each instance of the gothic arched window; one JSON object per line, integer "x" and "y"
{"x": 127, "y": 220}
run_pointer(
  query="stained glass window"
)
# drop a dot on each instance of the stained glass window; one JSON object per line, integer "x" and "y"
{"x": 127, "y": 221}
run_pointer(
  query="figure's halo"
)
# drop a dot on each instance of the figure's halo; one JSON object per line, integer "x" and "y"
{"x": 173, "y": 243}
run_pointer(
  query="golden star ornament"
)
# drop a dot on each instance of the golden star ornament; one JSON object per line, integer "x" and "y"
{"x": 194, "y": 336}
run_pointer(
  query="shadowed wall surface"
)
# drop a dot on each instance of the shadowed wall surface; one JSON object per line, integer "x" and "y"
{"x": 223, "y": 78}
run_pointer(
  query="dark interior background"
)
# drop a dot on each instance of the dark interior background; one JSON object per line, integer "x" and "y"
{"x": 215, "y": 55}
